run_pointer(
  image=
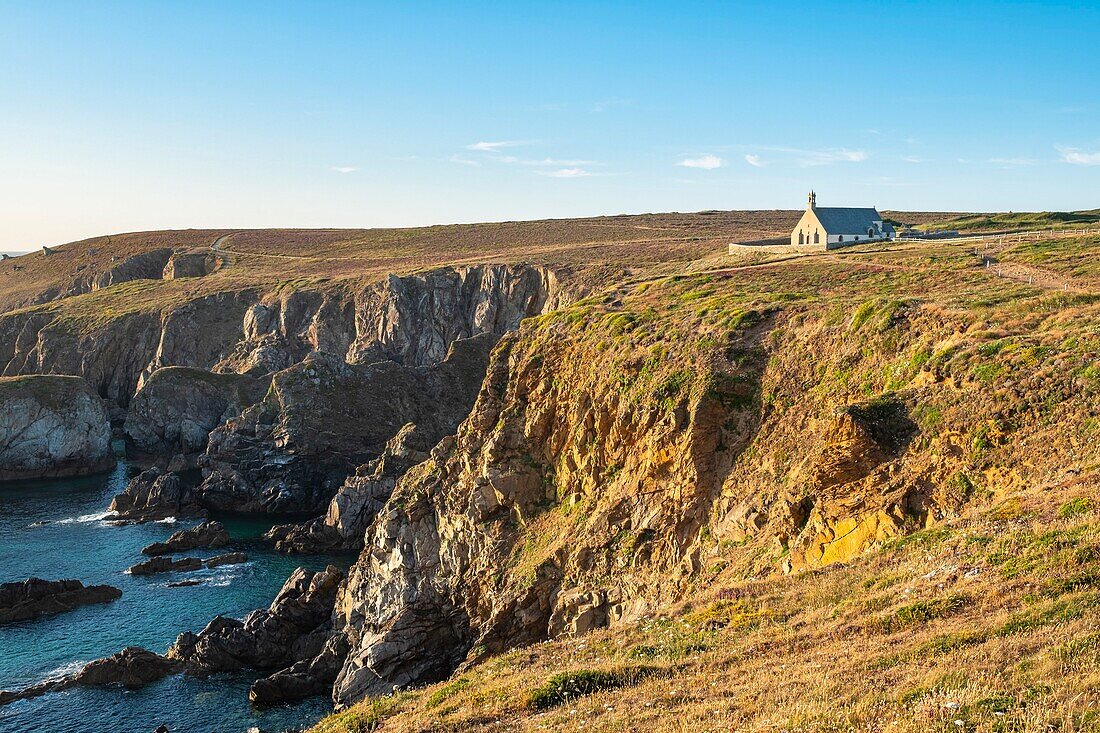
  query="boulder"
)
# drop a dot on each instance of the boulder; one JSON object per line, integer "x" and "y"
{"x": 207, "y": 534}
{"x": 154, "y": 494}
{"x": 229, "y": 558}
{"x": 52, "y": 425}
{"x": 294, "y": 628}
{"x": 190, "y": 264}
{"x": 36, "y": 597}
{"x": 131, "y": 668}
{"x": 164, "y": 564}
{"x": 177, "y": 407}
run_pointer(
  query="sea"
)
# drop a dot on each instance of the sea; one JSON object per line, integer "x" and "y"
{"x": 60, "y": 529}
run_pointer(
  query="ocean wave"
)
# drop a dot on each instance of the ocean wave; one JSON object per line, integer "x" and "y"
{"x": 167, "y": 520}
{"x": 65, "y": 670}
{"x": 85, "y": 518}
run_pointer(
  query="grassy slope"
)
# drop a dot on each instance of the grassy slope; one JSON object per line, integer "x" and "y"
{"x": 987, "y": 617}
{"x": 1017, "y": 220}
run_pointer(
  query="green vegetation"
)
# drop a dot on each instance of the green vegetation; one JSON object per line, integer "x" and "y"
{"x": 569, "y": 685}
{"x": 1021, "y": 220}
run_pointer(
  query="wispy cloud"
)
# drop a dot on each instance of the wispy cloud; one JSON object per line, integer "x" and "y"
{"x": 344, "y": 168}
{"x": 706, "y": 162}
{"x": 566, "y": 173}
{"x": 754, "y": 161}
{"x": 820, "y": 156}
{"x": 809, "y": 158}
{"x": 1012, "y": 162}
{"x": 544, "y": 162}
{"x": 463, "y": 161}
{"x": 912, "y": 159}
{"x": 1076, "y": 156}
{"x": 494, "y": 147}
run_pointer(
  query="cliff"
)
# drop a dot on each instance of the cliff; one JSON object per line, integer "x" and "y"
{"x": 52, "y": 426}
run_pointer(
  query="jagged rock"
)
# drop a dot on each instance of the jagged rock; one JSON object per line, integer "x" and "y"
{"x": 307, "y": 678}
{"x": 190, "y": 264}
{"x": 52, "y": 426}
{"x": 358, "y": 500}
{"x": 165, "y": 564}
{"x": 154, "y": 494}
{"x": 131, "y": 668}
{"x": 177, "y": 407}
{"x": 36, "y": 597}
{"x": 185, "y": 583}
{"x": 322, "y": 418}
{"x": 230, "y": 558}
{"x": 206, "y": 534}
{"x": 295, "y": 627}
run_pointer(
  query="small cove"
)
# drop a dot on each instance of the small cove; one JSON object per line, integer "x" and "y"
{"x": 58, "y": 529}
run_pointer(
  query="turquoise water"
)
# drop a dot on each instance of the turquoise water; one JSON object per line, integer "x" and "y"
{"x": 75, "y": 542}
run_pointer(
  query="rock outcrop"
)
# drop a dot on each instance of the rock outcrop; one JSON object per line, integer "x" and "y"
{"x": 229, "y": 558}
{"x": 206, "y": 534}
{"x": 358, "y": 500}
{"x": 154, "y": 494}
{"x": 52, "y": 426}
{"x": 296, "y": 627}
{"x": 36, "y": 597}
{"x": 145, "y": 266}
{"x": 165, "y": 564}
{"x": 323, "y": 418}
{"x": 131, "y": 668}
{"x": 191, "y": 264}
{"x": 177, "y": 407}
{"x": 307, "y": 678}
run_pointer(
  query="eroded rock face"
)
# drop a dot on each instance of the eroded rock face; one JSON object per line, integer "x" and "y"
{"x": 36, "y": 597}
{"x": 52, "y": 426}
{"x": 359, "y": 500}
{"x": 206, "y": 534}
{"x": 190, "y": 264}
{"x": 176, "y": 409}
{"x": 323, "y": 417}
{"x": 496, "y": 539}
{"x": 294, "y": 628}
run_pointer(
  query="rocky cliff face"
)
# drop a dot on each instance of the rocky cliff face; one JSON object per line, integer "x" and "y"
{"x": 626, "y": 450}
{"x": 573, "y": 496}
{"x": 177, "y": 407}
{"x": 323, "y": 417}
{"x": 52, "y": 426}
{"x": 412, "y": 320}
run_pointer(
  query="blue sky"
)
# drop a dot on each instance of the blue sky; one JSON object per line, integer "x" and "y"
{"x": 119, "y": 116}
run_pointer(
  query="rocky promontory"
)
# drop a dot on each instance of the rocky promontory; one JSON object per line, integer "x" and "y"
{"x": 52, "y": 425}
{"x": 36, "y": 597}
{"x": 133, "y": 667}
